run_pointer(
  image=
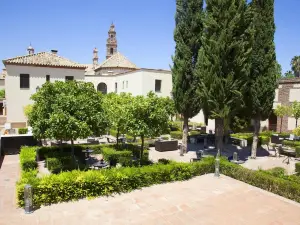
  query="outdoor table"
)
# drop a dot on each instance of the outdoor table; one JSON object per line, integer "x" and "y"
{"x": 87, "y": 152}
{"x": 100, "y": 165}
{"x": 288, "y": 157}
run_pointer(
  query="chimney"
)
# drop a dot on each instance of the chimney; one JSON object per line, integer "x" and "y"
{"x": 54, "y": 52}
{"x": 95, "y": 57}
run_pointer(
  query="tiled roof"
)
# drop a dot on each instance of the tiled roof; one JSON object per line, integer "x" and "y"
{"x": 90, "y": 69}
{"x": 117, "y": 61}
{"x": 44, "y": 59}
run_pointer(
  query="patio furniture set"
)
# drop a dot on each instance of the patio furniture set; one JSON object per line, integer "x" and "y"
{"x": 279, "y": 149}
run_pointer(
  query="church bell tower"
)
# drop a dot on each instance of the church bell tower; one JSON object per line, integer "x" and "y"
{"x": 111, "y": 44}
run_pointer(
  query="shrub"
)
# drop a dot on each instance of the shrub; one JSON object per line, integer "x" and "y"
{"x": 28, "y": 158}
{"x": 54, "y": 164}
{"x": 110, "y": 154}
{"x": 74, "y": 185}
{"x": 284, "y": 187}
{"x": 277, "y": 171}
{"x": 194, "y": 132}
{"x": 165, "y": 138}
{"x": 175, "y": 126}
{"x": 291, "y": 143}
{"x": 297, "y": 165}
{"x": 23, "y": 130}
{"x": 264, "y": 139}
{"x": 297, "y": 151}
{"x": 176, "y": 134}
{"x": 164, "y": 161}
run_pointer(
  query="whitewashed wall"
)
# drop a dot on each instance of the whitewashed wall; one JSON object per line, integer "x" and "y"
{"x": 294, "y": 95}
{"x": 18, "y": 98}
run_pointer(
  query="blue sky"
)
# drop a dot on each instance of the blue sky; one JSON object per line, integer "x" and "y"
{"x": 144, "y": 29}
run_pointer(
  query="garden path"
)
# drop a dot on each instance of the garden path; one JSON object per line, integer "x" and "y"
{"x": 203, "y": 200}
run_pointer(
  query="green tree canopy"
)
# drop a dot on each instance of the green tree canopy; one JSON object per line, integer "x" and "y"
{"x": 149, "y": 116}
{"x": 295, "y": 63}
{"x": 224, "y": 60}
{"x": 67, "y": 111}
{"x": 264, "y": 67}
{"x": 289, "y": 74}
{"x": 117, "y": 110}
{"x": 282, "y": 111}
{"x": 187, "y": 35}
{"x": 296, "y": 111}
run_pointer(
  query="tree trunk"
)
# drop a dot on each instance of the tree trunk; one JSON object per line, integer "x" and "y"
{"x": 219, "y": 133}
{"x": 118, "y": 133}
{"x": 296, "y": 122}
{"x": 60, "y": 145}
{"x": 142, "y": 148}
{"x": 281, "y": 118}
{"x": 185, "y": 134}
{"x": 72, "y": 149}
{"x": 255, "y": 137}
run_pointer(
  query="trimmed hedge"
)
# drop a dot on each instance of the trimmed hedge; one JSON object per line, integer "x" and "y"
{"x": 283, "y": 187}
{"x": 23, "y": 130}
{"x": 297, "y": 151}
{"x": 28, "y": 158}
{"x": 264, "y": 138}
{"x": 74, "y": 185}
{"x": 54, "y": 164}
{"x": 297, "y": 165}
{"x": 176, "y": 134}
{"x": 291, "y": 143}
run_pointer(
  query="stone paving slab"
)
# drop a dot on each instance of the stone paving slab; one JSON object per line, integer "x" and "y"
{"x": 203, "y": 200}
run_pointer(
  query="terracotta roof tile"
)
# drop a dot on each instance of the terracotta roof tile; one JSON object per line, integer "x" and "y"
{"x": 115, "y": 61}
{"x": 44, "y": 59}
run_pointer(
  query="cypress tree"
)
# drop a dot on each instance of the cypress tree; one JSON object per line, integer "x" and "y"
{"x": 187, "y": 35}
{"x": 263, "y": 75}
{"x": 223, "y": 61}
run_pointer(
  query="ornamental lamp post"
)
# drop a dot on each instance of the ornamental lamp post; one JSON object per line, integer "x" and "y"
{"x": 28, "y": 199}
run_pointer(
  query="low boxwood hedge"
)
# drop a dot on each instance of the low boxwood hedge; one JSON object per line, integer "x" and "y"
{"x": 283, "y": 187}
{"x": 176, "y": 134}
{"x": 291, "y": 143}
{"x": 23, "y": 130}
{"x": 297, "y": 165}
{"x": 297, "y": 151}
{"x": 28, "y": 158}
{"x": 74, "y": 185}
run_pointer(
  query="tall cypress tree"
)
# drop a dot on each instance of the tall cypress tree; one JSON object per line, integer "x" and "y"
{"x": 263, "y": 75}
{"x": 223, "y": 61}
{"x": 187, "y": 35}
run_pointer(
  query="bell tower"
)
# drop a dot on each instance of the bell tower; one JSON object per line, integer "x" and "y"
{"x": 111, "y": 44}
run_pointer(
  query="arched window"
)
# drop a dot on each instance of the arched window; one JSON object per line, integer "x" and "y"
{"x": 111, "y": 51}
{"x": 102, "y": 87}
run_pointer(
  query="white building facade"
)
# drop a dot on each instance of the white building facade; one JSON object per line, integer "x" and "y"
{"x": 26, "y": 74}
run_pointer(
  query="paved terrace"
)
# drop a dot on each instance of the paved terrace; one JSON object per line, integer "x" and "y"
{"x": 203, "y": 200}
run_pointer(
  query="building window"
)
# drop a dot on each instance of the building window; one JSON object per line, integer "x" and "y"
{"x": 47, "y": 78}
{"x": 116, "y": 87}
{"x": 123, "y": 84}
{"x": 111, "y": 51}
{"x": 68, "y": 78}
{"x": 157, "y": 85}
{"x": 127, "y": 84}
{"x": 24, "y": 80}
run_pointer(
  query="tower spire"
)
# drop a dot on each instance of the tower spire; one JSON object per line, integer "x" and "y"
{"x": 111, "y": 43}
{"x": 95, "y": 56}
